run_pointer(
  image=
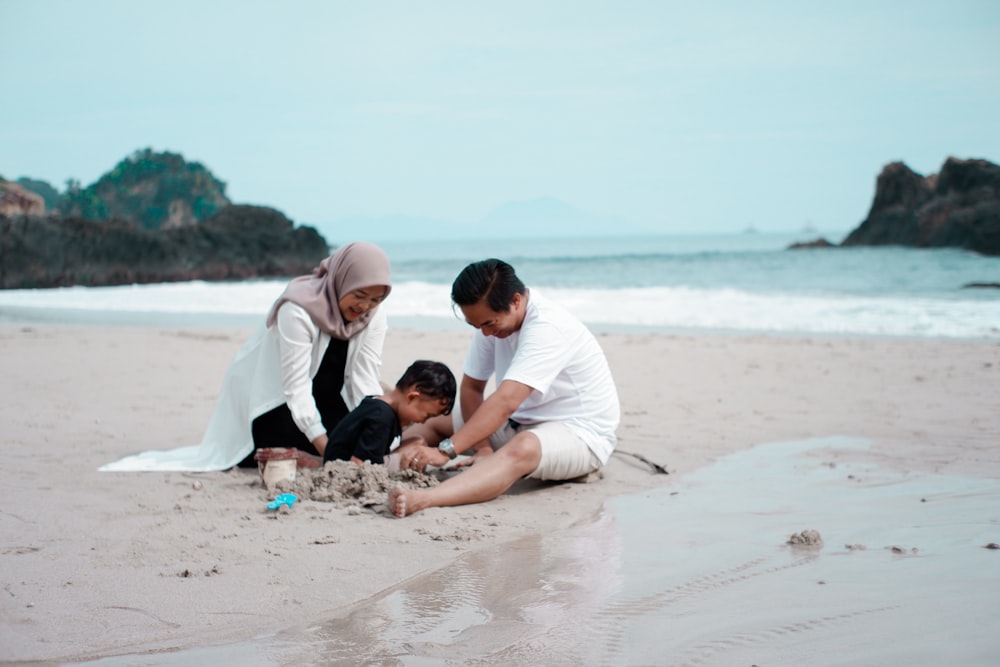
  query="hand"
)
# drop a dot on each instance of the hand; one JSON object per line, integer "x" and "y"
{"x": 418, "y": 457}
{"x": 481, "y": 451}
{"x": 320, "y": 444}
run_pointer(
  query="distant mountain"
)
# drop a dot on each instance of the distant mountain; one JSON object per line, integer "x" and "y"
{"x": 536, "y": 218}
{"x": 390, "y": 228}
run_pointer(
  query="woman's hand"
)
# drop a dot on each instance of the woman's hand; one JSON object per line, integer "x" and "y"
{"x": 320, "y": 444}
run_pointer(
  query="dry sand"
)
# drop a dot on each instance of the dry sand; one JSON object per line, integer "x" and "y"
{"x": 103, "y": 564}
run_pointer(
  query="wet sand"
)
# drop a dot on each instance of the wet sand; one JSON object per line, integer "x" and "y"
{"x": 701, "y": 572}
{"x": 690, "y": 568}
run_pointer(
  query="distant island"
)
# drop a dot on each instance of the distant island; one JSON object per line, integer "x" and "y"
{"x": 155, "y": 217}
{"x": 959, "y": 207}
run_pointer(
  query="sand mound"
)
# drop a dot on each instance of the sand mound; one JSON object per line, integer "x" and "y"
{"x": 807, "y": 538}
{"x": 346, "y": 484}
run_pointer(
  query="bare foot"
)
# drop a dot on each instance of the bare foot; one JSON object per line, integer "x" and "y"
{"x": 397, "y": 501}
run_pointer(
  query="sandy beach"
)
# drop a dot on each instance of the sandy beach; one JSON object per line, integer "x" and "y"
{"x": 113, "y": 564}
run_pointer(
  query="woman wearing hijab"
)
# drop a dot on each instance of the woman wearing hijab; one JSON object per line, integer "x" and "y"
{"x": 318, "y": 354}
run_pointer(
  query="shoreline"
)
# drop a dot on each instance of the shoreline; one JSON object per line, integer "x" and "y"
{"x": 97, "y": 560}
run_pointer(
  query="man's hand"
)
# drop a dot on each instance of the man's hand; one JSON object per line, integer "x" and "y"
{"x": 416, "y": 456}
{"x": 481, "y": 451}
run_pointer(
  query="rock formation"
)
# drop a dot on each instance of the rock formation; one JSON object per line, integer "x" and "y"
{"x": 236, "y": 243}
{"x": 958, "y": 207}
{"x": 818, "y": 243}
{"x": 16, "y": 200}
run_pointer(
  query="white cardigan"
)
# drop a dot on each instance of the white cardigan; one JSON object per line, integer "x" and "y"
{"x": 275, "y": 366}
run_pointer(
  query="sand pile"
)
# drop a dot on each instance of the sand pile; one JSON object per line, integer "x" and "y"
{"x": 807, "y": 538}
{"x": 346, "y": 484}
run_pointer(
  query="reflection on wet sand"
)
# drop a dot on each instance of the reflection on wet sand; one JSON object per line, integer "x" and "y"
{"x": 535, "y": 597}
{"x": 700, "y": 573}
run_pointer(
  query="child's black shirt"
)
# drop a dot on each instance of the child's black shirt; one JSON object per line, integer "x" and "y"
{"x": 366, "y": 432}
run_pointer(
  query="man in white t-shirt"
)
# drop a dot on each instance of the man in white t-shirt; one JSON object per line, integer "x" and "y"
{"x": 555, "y": 410}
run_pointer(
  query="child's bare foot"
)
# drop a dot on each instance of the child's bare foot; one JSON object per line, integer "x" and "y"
{"x": 397, "y": 501}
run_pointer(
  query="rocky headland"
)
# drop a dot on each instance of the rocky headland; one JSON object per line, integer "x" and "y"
{"x": 155, "y": 217}
{"x": 238, "y": 242}
{"x": 958, "y": 207}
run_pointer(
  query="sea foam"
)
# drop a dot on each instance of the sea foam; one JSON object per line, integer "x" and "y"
{"x": 428, "y": 305}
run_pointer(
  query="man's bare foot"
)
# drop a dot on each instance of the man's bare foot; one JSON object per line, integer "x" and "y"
{"x": 397, "y": 501}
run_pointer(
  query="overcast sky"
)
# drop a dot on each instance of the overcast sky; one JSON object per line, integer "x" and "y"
{"x": 678, "y": 116}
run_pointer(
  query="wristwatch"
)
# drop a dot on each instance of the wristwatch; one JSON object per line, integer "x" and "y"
{"x": 448, "y": 448}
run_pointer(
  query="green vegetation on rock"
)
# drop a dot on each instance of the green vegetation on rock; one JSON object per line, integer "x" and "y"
{"x": 153, "y": 190}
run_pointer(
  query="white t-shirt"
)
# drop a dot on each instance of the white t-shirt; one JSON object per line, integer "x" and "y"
{"x": 558, "y": 357}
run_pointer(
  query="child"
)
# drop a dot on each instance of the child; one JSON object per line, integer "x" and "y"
{"x": 427, "y": 389}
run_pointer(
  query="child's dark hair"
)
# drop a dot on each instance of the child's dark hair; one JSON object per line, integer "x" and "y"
{"x": 432, "y": 379}
{"x": 491, "y": 278}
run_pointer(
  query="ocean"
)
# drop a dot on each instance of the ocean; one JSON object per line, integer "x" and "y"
{"x": 740, "y": 283}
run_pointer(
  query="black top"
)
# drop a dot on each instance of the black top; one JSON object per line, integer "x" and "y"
{"x": 276, "y": 428}
{"x": 367, "y": 433}
{"x": 329, "y": 381}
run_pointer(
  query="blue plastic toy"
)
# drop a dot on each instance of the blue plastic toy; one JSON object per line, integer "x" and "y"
{"x": 282, "y": 499}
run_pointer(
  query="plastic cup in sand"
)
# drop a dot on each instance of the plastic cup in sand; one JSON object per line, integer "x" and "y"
{"x": 276, "y": 464}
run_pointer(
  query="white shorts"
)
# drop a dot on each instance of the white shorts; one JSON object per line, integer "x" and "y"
{"x": 565, "y": 452}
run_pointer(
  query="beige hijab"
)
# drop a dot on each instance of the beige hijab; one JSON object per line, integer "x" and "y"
{"x": 351, "y": 267}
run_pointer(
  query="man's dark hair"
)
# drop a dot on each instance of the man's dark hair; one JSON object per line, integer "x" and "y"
{"x": 432, "y": 379}
{"x": 491, "y": 278}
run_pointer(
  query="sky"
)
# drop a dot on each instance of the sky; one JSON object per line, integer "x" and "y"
{"x": 661, "y": 116}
